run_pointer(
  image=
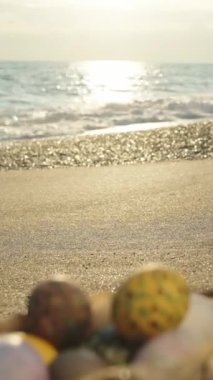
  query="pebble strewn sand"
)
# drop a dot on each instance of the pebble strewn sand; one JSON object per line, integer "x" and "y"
{"x": 194, "y": 141}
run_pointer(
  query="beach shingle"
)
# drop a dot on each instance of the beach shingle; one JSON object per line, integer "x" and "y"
{"x": 188, "y": 142}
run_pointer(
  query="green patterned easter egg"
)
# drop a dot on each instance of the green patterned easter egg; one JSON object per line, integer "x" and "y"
{"x": 149, "y": 303}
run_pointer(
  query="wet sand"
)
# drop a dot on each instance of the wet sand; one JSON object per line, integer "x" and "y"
{"x": 193, "y": 141}
{"x": 99, "y": 224}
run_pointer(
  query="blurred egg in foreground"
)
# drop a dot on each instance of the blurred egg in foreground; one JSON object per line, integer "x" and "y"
{"x": 59, "y": 312}
{"x": 18, "y": 361}
{"x": 72, "y": 364}
{"x": 149, "y": 303}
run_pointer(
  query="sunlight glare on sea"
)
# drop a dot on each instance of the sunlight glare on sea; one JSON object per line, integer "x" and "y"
{"x": 46, "y": 99}
{"x": 112, "y": 81}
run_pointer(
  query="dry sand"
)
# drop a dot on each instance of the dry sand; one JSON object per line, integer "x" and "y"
{"x": 97, "y": 225}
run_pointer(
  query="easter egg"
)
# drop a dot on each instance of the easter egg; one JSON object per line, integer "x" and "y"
{"x": 111, "y": 347}
{"x": 72, "y": 364}
{"x": 60, "y": 313}
{"x": 198, "y": 319}
{"x": 46, "y": 350}
{"x": 174, "y": 347}
{"x": 18, "y": 361}
{"x": 149, "y": 303}
{"x": 101, "y": 306}
{"x": 166, "y": 350}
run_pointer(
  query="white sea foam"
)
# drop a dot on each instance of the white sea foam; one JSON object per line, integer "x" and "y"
{"x": 46, "y": 100}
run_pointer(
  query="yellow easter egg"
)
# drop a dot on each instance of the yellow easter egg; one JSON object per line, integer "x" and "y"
{"x": 150, "y": 303}
{"x": 47, "y": 352}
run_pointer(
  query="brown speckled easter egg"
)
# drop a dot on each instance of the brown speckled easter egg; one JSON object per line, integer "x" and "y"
{"x": 59, "y": 312}
{"x": 149, "y": 303}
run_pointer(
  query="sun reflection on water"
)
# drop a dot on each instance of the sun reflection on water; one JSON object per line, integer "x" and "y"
{"x": 113, "y": 81}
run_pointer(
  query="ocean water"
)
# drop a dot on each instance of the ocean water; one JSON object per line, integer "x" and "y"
{"x": 58, "y": 99}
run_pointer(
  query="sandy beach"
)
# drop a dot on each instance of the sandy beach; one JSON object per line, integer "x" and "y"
{"x": 99, "y": 224}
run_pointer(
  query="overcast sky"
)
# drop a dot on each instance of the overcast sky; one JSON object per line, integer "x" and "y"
{"x": 146, "y": 30}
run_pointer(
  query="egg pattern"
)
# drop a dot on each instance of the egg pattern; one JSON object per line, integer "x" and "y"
{"x": 149, "y": 303}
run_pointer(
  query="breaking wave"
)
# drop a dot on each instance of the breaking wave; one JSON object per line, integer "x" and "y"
{"x": 62, "y": 122}
{"x": 59, "y": 99}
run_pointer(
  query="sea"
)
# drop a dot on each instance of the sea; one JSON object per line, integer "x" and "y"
{"x": 51, "y": 99}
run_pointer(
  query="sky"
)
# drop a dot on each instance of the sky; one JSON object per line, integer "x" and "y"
{"x": 72, "y": 30}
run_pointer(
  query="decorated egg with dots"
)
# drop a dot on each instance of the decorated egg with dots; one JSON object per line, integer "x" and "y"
{"x": 149, "y": 303}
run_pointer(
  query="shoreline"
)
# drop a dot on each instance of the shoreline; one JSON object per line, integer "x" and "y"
{"x": 181, "y": 142}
